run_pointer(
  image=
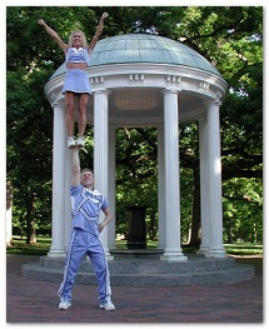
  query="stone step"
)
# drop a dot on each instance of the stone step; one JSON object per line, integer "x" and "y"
{"x": 236, "y": 273}
{"x": 136, "y": 253}
{"x": 148, "y": 266}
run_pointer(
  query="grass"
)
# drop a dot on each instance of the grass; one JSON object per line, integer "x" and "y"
{"x": 42, "y": 247}
{"x": 244, "y": 249}
{"x": 20, "y": 247}
{"x": 122, "y": 244}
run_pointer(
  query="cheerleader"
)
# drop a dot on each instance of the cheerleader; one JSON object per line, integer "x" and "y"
{"x": 77, "y": 54}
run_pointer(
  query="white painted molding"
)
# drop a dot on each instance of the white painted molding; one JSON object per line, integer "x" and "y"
{"x": 147, "y": 75}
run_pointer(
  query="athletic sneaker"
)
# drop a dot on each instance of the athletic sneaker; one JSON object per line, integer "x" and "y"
{"x": 70, "y": 142}
{"x": 109, "y": 306}
{"x": 80, "y": 142}
{"x": 64, "y": 305}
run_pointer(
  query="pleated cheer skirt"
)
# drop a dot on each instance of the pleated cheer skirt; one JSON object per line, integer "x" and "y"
{"x": 76, "y": 81}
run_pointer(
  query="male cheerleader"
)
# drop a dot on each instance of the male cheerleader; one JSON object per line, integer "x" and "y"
{"x": 86, "y": 203}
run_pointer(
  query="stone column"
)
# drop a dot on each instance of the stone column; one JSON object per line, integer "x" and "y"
{"x": 161, "y": 190}
{"x": 111, "y": 187}
{"x": 172, "y": 250}
{"x": 216, "y": 248}
{"x": 101, "y": 153}
{"x": 9, "y": 203}
{"x": 57, "y": 248}
{"x": 204, "y": 185}
{"x": 67, "y": 180}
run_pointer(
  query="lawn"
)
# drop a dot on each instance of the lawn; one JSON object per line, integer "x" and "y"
{"x": 20, "y": 247}
{"x": 43, "y": 244}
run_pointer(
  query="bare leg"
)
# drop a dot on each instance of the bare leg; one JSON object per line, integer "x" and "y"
{"x": 83, "y": 101}
{"x": 70, "y": 108}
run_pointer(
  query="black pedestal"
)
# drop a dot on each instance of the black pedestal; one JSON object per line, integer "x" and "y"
{"x": 136, "y": 228}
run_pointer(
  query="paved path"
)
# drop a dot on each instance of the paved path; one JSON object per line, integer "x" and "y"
{"x": 36, "y": 301}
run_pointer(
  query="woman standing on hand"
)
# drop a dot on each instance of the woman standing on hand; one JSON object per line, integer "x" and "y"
{"x": 77, "y": 54}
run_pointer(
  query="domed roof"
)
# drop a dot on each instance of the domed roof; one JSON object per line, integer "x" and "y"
{"x": 144, "y": 48}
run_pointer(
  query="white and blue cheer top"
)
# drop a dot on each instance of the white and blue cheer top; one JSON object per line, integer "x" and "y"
{"x": 86, "y": 205}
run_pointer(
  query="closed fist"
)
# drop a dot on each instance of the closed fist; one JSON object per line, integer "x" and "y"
{"x": 104, "y": 15}
{"x": 41, "y": 22}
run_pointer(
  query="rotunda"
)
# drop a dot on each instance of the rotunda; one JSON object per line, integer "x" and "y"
{"x": 142, "y": 80}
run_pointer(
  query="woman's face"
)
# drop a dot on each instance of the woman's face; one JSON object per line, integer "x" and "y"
{"x": 77, "y": 40}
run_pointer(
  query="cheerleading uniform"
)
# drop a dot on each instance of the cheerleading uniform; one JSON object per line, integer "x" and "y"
{"x": 76, "y": 80}
{"x": 84, "y": 240}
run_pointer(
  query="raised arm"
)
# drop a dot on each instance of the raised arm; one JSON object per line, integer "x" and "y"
{"x": 75, "y": 166}
{"x": 98, "y": 32}
{"x": 54, "y": 35}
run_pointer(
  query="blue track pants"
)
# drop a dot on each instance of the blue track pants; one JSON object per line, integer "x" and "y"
{"x": 82, "y": 243}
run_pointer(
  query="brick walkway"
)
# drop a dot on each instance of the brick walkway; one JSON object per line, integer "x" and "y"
{"x": 36, "y": 301}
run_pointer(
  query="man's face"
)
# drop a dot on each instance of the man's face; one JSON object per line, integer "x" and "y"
{"x": 87, "y": 179}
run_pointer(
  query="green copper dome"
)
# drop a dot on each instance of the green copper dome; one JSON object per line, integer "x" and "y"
{"x": 144, "y": 48}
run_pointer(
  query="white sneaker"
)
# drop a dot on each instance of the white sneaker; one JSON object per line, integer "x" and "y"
{"x": 109, "y": 306}
{"x": 80, "y": 142}
{"x": 64, "y": 305}
{"x": 70, "y": 142}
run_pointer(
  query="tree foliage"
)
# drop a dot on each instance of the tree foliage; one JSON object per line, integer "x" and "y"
{"x": 230, "y": 37}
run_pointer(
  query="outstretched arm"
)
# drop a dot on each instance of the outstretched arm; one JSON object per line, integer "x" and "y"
{"x": 75, "y": 166}
{"x": 54, "y": 35}
{"x": 98, "y": 32}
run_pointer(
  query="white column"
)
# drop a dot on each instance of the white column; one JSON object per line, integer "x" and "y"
{"x": 58, "y": 186}
{"x": 204, "y": 185}
{"x": 111, "y": 187}
{"x": 161, "y": 190}
{"x": 101, "y": 153}
{"x": 172, "y": 250}
{"x": 216, "y": 248}
{"x": 67, "y": 209}
{"x": 9, "y": 203}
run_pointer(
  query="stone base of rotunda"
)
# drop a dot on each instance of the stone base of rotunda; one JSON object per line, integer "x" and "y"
{"x": 147, "y": 270}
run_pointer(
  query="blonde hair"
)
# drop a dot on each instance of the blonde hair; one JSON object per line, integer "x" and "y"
{"x": 84, "y": 41}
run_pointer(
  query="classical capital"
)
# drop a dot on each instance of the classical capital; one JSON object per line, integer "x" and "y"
{"x": 101, "y": 91}
{"x": 170, "y": 91}
{"x": 216, "y": 102}
{"x": 57, "y": 105}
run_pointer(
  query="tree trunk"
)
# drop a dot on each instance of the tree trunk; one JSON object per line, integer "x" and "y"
{"x": 195, "y": 239}
{"x": 31, "y": 237}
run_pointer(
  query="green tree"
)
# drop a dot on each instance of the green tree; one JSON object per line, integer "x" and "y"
{"x": 229, "y": 37}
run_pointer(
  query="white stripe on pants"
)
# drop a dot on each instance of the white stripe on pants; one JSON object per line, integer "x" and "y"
{"x": 82, "y": 243}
